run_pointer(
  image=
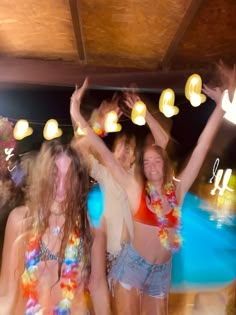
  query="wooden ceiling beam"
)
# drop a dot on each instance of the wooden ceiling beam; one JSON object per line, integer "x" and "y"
{"x": 56, "y": 73}
{"x": 78, "y": 32}
{"x": 183, "y": 26}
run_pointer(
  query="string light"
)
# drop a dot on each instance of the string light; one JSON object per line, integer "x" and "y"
{"x": 166, "y": 103}
{"x": 22, "y": 129}
{"x": 193, "y": 88}
{"x": 51, "y": 130}
{"x": 138, "y": 113}
{"x": 111, "y": 124}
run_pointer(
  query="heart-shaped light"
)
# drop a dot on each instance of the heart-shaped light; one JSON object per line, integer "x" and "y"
{"x": 111, "y": 124}
{"x": 166, "y": 103}
{"x": 138, "y": 113}
{"x": 193, "y": 89}
{"x": 51, "y": 130}
{"x": 22, "y": 129}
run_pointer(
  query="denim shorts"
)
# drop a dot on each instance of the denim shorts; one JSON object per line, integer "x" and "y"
{"x": 133, "y": 271}
{"x": 110, "y": 260}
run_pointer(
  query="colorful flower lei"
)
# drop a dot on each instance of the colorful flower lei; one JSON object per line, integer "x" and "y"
{"x": 96, "y": 125}
{"x": 156, "y": 203}
{"x": 69, "y": 276}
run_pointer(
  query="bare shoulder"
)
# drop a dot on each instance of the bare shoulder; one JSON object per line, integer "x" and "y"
{"x": 18, "y": 213}
{"x": 17, "y": 218}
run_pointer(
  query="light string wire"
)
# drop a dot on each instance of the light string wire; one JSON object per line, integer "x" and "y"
{"x": 33, "y": 122}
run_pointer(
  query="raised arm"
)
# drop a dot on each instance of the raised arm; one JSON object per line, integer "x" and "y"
{"x": 120, "y": 175}
{"x": 161, "y": 137}
{"x": 190, "y": 172}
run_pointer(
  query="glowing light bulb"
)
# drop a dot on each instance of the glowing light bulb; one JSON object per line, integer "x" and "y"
{"x": 138, "y": 113}
{"x": 195, "y": 99}
{"x": 22, "y": 129}
{"x": 111, "y": 124}
{"x": 51, "y": 130}
{"x": 166, "y": 103}
{"x": 193, "y": 88}
{"x": 168, "y": 111}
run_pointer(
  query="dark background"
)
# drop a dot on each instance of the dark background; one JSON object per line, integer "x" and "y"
{"x": 38, "y": 104}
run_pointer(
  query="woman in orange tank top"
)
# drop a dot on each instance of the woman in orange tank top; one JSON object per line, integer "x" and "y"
{"x": 140, "y": 278}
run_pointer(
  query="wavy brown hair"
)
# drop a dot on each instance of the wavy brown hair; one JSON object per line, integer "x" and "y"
{"x": 167, "y": 167}
{"x": 41, "y": 195}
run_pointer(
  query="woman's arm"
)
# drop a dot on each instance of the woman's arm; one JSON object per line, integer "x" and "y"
{"x": 120, "y": 175}
{"x": 190, "y": 172}
{"x": 161, "y": 137}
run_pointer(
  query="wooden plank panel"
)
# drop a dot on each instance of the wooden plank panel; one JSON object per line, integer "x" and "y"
{"x": 130, "y": 33}
{"x": 193, "y": 8}
{"x": 37, "y": 29}
{"x": 57, "y": 73}
{"x": 211, "y": 36}
{"x": 77, "y": 28}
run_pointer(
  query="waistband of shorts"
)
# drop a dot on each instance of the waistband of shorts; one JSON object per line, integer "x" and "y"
{"x": 139, "y": 259}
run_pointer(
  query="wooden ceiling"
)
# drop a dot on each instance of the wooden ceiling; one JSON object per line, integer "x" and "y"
{"x": 155, "y": 43}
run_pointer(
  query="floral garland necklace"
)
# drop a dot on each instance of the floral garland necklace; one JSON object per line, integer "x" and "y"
{"x": 156, "y": 204}
{"x": 69, "y": 275}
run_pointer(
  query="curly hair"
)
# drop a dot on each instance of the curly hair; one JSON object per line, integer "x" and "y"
{"x": 41, "y": 196}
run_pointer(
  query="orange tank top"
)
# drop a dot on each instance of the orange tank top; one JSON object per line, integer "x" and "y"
{"x": 146, "y": 216}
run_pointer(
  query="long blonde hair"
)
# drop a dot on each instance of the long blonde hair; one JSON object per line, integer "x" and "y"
{"x": 41, "y": 195}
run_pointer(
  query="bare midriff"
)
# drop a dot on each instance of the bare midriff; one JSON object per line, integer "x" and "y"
{"x": 147, "y": 243}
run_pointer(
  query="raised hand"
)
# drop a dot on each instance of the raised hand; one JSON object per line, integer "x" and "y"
{"x": 76, "y": 100}
{"x": 108, "y": 106}
{"x": 127, "y": 100}
{"x": 214, "y": 93}
{"x": 99, "y": 114}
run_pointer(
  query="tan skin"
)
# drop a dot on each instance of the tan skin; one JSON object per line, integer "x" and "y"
{"x": 124, "y": 154}
{"x": 98, "y": 283}
{"x": 11, "y": 302}
{"x": 145, "y": 240}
